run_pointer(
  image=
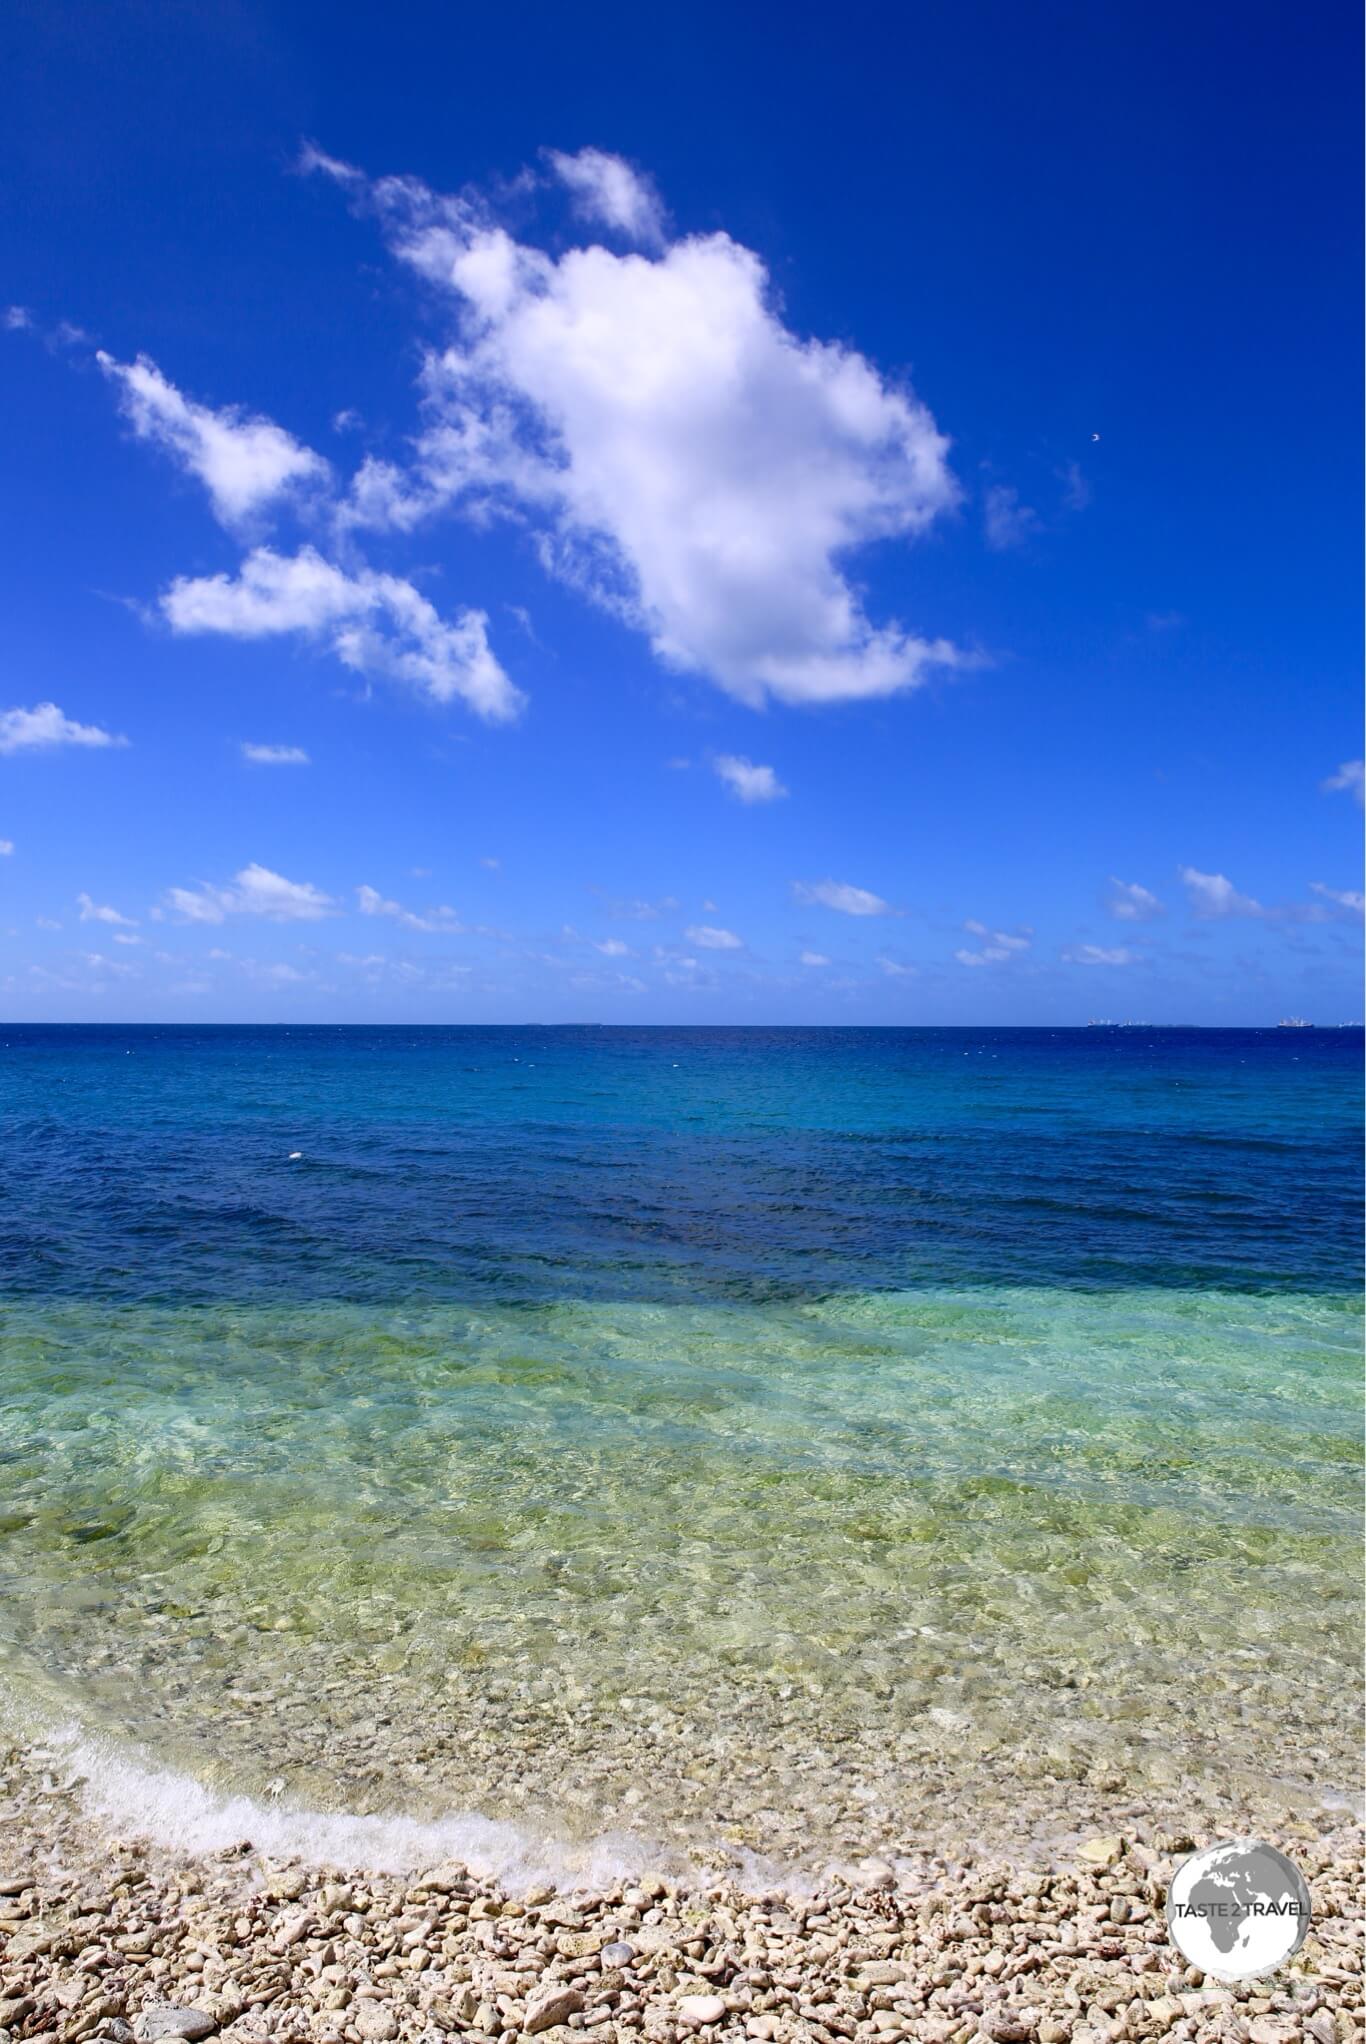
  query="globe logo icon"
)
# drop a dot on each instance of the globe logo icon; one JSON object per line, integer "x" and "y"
{"x": 1238, "y": 1909}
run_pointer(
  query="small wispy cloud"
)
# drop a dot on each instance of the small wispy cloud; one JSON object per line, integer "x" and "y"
{"x": 1100, "y": 954}
{"x": 814, "y": 958}
{"x": 45, "y": 726}
{"x": 275, "y": 755}
{"x": 1349, "y": 779}
{"x": 278, "y": 974}
{"x": 840, "y": 895}
{"x": 254, "y": 891}
{"x": 1131, "y": 903}
{"x": 635, "y": 910}
{"x": 750, "y": 783}
{"x": 1342, "y": 897}
{"x": 608, "y": 192}
{"x": 371, "y": 902}
{"x": 1076, "y": 490}
{"x": 242, "y": 461}
{"x": 115, "y": 968}
{"x": 375, "y": 625}
{"x": 1213, "y": 895}
{"x": 997, "y": 945}
{"x": 708, "y": 937}
{"x": 1006, "y": 522}
{"x": 97, "y": 912}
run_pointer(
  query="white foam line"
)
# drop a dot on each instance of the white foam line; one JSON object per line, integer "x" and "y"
{"x": 136, "y": 1799}
{"x": 134, "y": 1796}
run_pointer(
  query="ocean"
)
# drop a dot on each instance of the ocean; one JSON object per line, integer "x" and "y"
{"x": 756, "y": 1447}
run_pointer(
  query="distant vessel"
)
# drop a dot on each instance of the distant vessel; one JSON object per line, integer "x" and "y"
{"x": 1293, "y": 1022}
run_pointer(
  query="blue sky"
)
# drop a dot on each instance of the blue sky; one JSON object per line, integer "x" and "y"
{"x": 698, "y": 514}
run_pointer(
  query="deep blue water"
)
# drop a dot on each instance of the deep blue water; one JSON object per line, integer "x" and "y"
{"x": 510, "y": 1164}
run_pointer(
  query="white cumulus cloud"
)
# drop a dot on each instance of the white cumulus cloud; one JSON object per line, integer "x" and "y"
{"x": 243, "y": 462}
{"x": 44, "y": 726}
{"x": 254, "y": 891}
{"x": 376, "y": 624}
{"x": 838, "y": 894}
{"x": 814, "y": 958}
{"x": 681, "y": 455}
{"x": 708, "y": 938}
{"x": 749, "y": 782}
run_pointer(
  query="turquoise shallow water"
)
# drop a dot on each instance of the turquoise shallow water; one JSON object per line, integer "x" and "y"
{"x": 670, "y": 1444}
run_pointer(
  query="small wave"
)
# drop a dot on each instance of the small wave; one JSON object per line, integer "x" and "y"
{"x": 135, "y": 1798}
{"x": 129, "y": 1794}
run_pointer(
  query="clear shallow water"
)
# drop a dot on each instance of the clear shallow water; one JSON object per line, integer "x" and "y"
{"x": 796, "y": 1442}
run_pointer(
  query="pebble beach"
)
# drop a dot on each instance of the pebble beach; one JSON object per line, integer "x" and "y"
{"x": 111, "y": 1939}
